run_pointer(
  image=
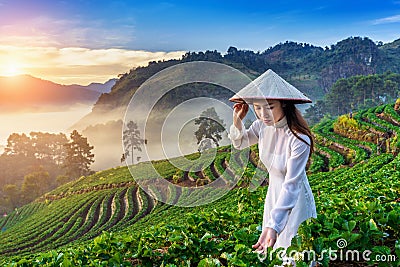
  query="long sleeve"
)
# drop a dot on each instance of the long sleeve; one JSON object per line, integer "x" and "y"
{"x": 244, "y": 138}
{"x": 289, "y": 193}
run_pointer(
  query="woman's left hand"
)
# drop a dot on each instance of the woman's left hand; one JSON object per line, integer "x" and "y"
{"x": 267, "y": 239}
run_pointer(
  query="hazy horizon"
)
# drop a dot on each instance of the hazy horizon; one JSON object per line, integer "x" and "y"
{"x": 52, "y": 121}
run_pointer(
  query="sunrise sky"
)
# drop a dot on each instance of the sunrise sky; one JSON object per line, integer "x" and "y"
{"x": 92, "y": 41}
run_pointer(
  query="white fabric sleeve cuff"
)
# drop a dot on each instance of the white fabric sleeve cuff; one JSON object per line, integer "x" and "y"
{"x": 270, "y": 224}
{"x": 235, "y": 133}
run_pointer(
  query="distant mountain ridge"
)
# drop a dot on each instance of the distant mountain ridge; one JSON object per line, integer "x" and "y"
{"x": 311, "y": 69}
{"x": 25, "y": 92}
{"x": 101, "y": 87}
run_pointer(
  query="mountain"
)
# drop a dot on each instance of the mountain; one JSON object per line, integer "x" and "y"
{"x": 28, "y": 93}
{"x": 101, "y": 87}
{"x": 311, "y": 69}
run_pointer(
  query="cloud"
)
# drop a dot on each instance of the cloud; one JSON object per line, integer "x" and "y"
{"x": 48, "y": 31}
{"x": 72, "y": 50}
{"x": 391, "y": 19}
{"x": 76, "y": 64}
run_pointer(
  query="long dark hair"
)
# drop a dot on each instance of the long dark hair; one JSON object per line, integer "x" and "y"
{"x": 296, "y": 123}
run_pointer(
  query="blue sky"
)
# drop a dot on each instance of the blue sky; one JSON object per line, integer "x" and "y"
{"x": 179, "y": 26}
{"x": 200, "y": 25}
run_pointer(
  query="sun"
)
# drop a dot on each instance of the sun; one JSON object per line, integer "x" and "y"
{"x": 10, "y": 69}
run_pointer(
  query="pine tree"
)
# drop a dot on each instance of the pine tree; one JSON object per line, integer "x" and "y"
{"x": 132, "y": 139}
{"x": 79, "y": 156}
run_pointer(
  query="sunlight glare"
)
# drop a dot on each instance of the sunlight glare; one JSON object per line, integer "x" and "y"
{"x": 10, "y": 69}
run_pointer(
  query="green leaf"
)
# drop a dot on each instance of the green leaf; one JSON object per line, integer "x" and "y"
{"x": 394, "y": 218}
{"x": 59, "y": 256}
{"x": 352, "y": 225}
{"x": 318, "y": 244}
{"x": 66, "y": 262}
{"x": 351, "y": 237}
{"x": 209, "y": 263}
{"x": 372, "y": 225}
{"x": 239, "y": 247}
{"x": 383, "y": 250}
{"x": 238, "y": 262}
{"x": 206, "y": 236}
{"x": 175, "y": 238}
{"x": 397, "y": 248}
{"x": 334, "y": 236}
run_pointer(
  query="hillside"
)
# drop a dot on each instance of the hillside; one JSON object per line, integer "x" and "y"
{"x": 353, "y": 174}
{"x": 356, "y": 93}
{"x": 312, "y": 69}
{"x": 27, "y": 93}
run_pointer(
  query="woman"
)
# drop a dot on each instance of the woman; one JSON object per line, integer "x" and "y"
{"x": 285, "y": 144}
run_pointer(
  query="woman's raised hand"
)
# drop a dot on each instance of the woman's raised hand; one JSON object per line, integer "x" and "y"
{"x": 239, "y": 112}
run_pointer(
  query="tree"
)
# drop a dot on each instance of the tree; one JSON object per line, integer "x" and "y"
{"x": 35, "y": 184}
{"x": 316, "y": 112}
{"x": 11, "y": 195}
{"x": 49, "y": 147}
{"x": 355, "y": 93}
{"x": 19, "y": 144}
{"x": 78, "y": 155}
{"x": 24, "y": 154}
{"x": 338, "y": 99}
{"x": 62, "y": 179}
{"x": 132, "y": 139}
{"x": 390, "y": 90}
{"x": 210, "y": 126}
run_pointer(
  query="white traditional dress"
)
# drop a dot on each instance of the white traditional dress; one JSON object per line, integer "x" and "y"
{"x": 289, "y": 199}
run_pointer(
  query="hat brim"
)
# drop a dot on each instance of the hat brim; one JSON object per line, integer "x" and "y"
{"x": 270, "y": 86}
{"x": 250, "y": 100}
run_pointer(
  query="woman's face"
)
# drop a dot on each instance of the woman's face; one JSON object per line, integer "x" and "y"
{"x": 269, "y": 112}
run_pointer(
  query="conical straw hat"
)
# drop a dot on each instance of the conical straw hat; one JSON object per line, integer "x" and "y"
{"x": 270, "y": 85}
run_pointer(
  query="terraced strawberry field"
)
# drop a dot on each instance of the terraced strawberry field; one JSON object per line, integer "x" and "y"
{"x": 107, "y": 220}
